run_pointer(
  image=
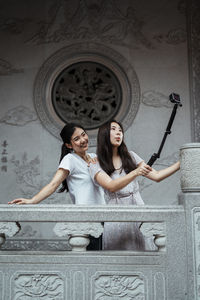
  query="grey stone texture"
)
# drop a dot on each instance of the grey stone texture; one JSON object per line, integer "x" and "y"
{"x": 153, "y": 47}
{"x": 171, "y": 273}
{"x": 96, "y": 274}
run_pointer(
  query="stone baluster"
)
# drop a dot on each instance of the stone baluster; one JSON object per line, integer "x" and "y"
{"x": 158, "y": 231}
{"x": 8, "y": 229}
{"x": 78, "y": 233}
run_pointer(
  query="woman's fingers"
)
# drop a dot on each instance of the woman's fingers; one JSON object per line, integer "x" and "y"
{"x": 144, "y": 170}
{"x": 18, "y": 201}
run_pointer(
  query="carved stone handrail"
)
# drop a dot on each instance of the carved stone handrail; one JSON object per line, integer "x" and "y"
{"x": 78, "y": 222}
{"x": 83, "y": 213}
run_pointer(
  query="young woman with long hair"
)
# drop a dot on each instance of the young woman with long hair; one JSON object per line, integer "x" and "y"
{"x": 72, "y": 171}
{"x": 73, "y": 174}
{"x": 117, "y": 171}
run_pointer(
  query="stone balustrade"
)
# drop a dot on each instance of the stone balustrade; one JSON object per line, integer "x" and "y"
{"x": 76, "y": 223}
{"x": 149, "y": 272}
{"x": 171, "y": 273}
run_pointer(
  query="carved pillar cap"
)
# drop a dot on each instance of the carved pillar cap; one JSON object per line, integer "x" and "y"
{"x": 9, "y": 229}
{"x": 158, "y": 230}
{"x": 64, "y": 229}
{"x": 190, "y": 167}
{"x": 155, "y": 229}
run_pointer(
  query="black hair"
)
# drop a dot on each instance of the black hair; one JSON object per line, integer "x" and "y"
{"x": 104, "y": 151}
{"x": 66, "y": 134}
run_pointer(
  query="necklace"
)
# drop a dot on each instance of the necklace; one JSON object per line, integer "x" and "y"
{"x": 118, "y": 168}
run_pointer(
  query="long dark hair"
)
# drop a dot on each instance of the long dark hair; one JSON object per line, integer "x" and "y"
{"x": 66, "y": 134}
{"x": 104, "y": 151}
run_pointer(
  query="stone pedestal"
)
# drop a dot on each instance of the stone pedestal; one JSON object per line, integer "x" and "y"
{"x": 190, "y": 198}
{"x": 190, "y": 167}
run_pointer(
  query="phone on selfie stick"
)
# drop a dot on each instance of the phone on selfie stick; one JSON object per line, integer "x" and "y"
{"x": 174, "y": 98}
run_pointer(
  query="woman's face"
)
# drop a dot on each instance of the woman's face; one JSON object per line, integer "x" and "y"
{"x": 116, "y": 134}
{"x": 79, "y": 141}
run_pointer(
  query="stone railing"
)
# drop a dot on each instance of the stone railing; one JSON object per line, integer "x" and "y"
{"x": 128, "y": 273}
{"x": 171, "y": 273}
{"x": 78, "y": 222}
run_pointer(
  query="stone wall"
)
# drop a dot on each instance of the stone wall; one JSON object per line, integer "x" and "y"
{"x": 149, "y": 39}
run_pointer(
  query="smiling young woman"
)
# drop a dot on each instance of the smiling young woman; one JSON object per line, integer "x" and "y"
{"x": 73, "y": 174}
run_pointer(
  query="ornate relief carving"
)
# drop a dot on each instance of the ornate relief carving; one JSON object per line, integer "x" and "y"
{"x": 27, "y": 172}
{"x": 119, "y": 287}
{"x": 78, "y": 233}
{"x": 87, "y": 91}
{"x": 84, "y": 52}
{"x": 174, "y": 36}
{"x": 155, "y": 99}
{"x": 28, "y": 175}
{"x": 100, "y": 21}
{"x": 65, "y": 229}
{"x": 38, "y": 286}
{"x": 194, "y": 58}
{"x": 149, "y": 229}
{"x": 19, "y": 116}
{"x": 158, "y": 230}
{"x": 7, "y": 69}
{"x": 9, "y": 228}
{"x": 190, "y": 167}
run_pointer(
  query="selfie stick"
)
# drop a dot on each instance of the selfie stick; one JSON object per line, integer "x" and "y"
{"x": 174, "y": 98}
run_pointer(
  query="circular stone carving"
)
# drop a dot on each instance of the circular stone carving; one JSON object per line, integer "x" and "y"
{"x": 125, "y": 86}
{"x": 86, "y": 91}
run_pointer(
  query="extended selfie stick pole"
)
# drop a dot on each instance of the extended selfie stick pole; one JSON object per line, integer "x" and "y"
{"x": 174, "y": 98}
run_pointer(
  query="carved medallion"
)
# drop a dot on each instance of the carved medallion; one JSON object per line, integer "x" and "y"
{"x": 86, "y": 91}
{"x": 88, "y": 83}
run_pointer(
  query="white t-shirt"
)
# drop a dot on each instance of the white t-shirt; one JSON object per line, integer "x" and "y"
{"x": 82, "y": 190}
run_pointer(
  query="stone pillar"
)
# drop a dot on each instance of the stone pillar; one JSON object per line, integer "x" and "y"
{"x": 78, "y": 233}
{"x": 190, "y": 167}
{"x": 190, "y": 198}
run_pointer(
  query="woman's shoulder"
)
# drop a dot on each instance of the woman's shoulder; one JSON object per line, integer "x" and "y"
{"x": 68, "y": 156}
{"x": 136, "y": 157}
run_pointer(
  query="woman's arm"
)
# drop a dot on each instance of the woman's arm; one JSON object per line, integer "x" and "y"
{"x": 46, "y": 191}
{"x": 113, "y": 185}
{"x": 164, "y": 173}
